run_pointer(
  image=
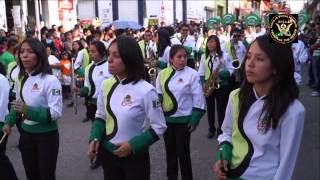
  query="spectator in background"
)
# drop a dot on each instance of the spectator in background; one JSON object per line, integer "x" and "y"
{"x": 8, "y": 56}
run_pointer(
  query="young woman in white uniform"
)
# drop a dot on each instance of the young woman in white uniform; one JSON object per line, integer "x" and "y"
{"x": 264, "y": 120}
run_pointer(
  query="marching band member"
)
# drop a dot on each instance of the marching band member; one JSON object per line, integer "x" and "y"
{"x": 183, "y": 103}
{"x": 6, "y": 169}
{"x": 126, "y": 104}
{"x": 300, "y": 55}
{"x": 264, "y": 119}
{"x": 201, "y": 43}
{"x": 13, "y": 71}
{"x": 95, "y": 73}
{"x": 215, "y": 63}
{"x": 173, "y": 38}
{"x": 82, "y": 58}
{"x": 146, "y": 46}
{"x": 240, "y": 49}
{"x": 163, "y": 48}
{"x": 39, "y": 104}
{"x": 236, "y": 51}
{"x": 189, "y": 43}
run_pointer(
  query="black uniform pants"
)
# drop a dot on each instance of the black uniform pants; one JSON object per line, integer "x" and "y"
{"x": 91, "y": 110}
{"x": 133, "y": 167}
{"x": 177, "y": 143}
{"x": 6, "y": 169}
{"x": 220, "y": 96}
{"x": 39, "y": 154}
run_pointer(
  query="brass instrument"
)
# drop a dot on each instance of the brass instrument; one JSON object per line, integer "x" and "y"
{"x": 151, "y": 64}
{"x": 235, "y": 61}
{"x": 236, "y": 64}
{"x": 213, "y": 81}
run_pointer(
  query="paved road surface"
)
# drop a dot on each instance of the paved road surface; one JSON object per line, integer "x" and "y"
{"x": 73, "y": 162}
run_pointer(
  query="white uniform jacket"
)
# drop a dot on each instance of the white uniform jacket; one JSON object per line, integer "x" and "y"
{"x": 269, "y": 155}
{"x": 300, "y": 55}
{"x": 128, "y": 110}
{"x": 4, "y": 98}
{"x": 181, "y": 91}
{"x": 95, "y": 73}
{"x": 42, "y": 96}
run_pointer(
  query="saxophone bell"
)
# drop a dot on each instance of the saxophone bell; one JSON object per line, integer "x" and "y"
{"x": 235, "y": 64}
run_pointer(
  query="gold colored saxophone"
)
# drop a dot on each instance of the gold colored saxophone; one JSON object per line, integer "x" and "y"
{"x": 213, "y": 81}
{"x": 151, "y": 64}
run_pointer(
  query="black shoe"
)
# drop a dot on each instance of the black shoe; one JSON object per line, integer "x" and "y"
{"x": 219, "y": 131}
{"x": 211, "y": 134}
{"x": 95, "y": 164}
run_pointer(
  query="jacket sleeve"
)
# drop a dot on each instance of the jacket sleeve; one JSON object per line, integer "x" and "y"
{"x": 291, "y": 134}
{"x": 156, "y": 120}
{"x": 198, "y": 100}
{"x": 227, "y": 124}
{"x": 79, "y": 59}
{"x": 98, "y": 125}
{"x": 101, "y": 113}
{"x": 4, "y": 98}
{"x": 54, "y": 109}
{"x": 201, "y": 69}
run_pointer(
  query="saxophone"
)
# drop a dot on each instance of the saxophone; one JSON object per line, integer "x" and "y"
{"x": 213, "y": 81}
{"x": 151, "y": 64}
{"x": 235, "y": 61}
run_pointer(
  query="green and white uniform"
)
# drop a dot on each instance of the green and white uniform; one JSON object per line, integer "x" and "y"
{"x": 4, "y": 99}
{"x": 254, "y": 154}
{"x": 123, "y": 111}
{"x": 42, "y": 95}
{"x": 95, "y": 73}
{"x": 13, "y": 71}
{"x": 181, "y": 94}
{"x": 209, "y": 64}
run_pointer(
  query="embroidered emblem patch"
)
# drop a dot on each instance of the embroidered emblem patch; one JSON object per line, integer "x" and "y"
{"x": 56, "y": 92}
{"x": 127, "y": 101}
{"x": 180, "y": 80}
{"x": 156, "y": 103}
{"x": 35, "y": 87}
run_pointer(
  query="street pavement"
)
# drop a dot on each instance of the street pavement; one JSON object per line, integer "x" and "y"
{"x": 73, "y": 163}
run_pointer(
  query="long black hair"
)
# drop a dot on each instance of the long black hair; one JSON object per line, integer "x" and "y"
{"x": 164, "y": 41}
{"x": 218, "y": 48}
{"x": 284, "y": 89}
{"x": 101, "y": 48}
{"x": 3, "y": 69}
{"x": 132, "y": 58}
{"x": 39, "y": 49}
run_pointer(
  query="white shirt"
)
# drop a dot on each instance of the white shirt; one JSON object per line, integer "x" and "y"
{"x": 166, "y": 56}
{"x": 300, "y": 55}
{"x": 189, "y": 41}
{"x": 224, "y": 60}
{"x": 276, "y": 151}
{"x": 96, "y": 73}
{"x": 174, "y": 40}
{"x": 41, "y": 91}
{"x": 54, "y": 61}
{"x": 134, "y": 106}
{"x": 4, "y": 97}
{"x": 186, "y": 87}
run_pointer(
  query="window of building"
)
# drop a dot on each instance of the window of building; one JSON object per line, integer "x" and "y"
{"x": 220, "y": 11}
